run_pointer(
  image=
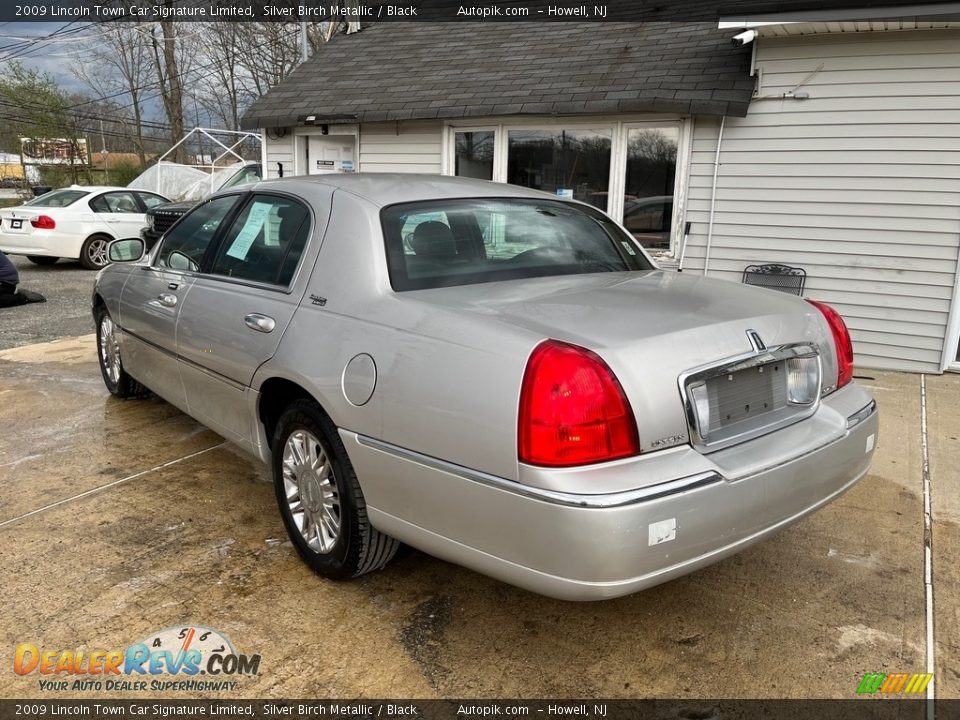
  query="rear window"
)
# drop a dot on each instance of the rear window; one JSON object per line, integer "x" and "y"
{"x": 444, "y": 243}
{"x": 58, "y": 198}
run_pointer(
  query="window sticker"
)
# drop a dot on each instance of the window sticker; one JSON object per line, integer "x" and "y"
{"x": 255, "y": 220}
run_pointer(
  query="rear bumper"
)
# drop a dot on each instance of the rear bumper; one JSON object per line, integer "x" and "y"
{"x": 591, "y": 547}
{"x": 45, "y": 243}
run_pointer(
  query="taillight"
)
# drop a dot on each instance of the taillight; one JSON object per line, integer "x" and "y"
{"x": 44, "y": 222}
{"x": 572, "y": 409}
{"x": 841, "y": 340}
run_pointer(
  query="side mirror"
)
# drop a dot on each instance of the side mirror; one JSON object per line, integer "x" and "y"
{"x": 128, "y": 250}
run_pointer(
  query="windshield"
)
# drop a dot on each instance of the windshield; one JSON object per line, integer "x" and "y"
{"x": 58, "y": 198}
{"x": 443, "y": 243}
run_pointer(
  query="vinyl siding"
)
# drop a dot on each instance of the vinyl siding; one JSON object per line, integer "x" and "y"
{"x": 405, "y": 146}
{"x": 279, "y": 150}
{"x": 859, "y": 184}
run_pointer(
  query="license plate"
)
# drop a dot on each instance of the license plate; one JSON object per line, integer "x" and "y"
{"x": 16, "y": 224}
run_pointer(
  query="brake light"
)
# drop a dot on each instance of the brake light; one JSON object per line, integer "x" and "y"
{"x": 841, "y": 340}
{"x": 44, "y": 222}
{"x": 572, "y": 409}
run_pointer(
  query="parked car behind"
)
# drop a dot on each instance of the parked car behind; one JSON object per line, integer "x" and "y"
{"x": 75, "y": 222}
{"x": 495, "y": 376}
{"x": 162, "y": 217}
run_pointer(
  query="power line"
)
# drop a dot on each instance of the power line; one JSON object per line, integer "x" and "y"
{"x": 26, "y": 47}
{"x": 157, "y": 84}
{"x": 149, "y": 124}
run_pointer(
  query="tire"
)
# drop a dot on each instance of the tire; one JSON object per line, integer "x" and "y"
{"x": 93, "y": 254}
{"x": 42, "y": 259}
{"x": 338, "y": 541}
{"x": 116, "y": 379}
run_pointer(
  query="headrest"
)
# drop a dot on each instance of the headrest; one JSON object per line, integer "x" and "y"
{"x": 433, "y": 239}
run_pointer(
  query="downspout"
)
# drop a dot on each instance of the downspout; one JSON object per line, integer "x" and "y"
{"x": 713, "y": 196}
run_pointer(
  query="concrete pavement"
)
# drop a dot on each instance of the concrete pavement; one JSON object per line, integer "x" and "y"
{"x": 120, "y": 518}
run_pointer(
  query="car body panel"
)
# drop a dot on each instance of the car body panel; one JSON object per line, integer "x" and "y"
{"x": 588, "y": 553}
{"x": 435, "y": 444}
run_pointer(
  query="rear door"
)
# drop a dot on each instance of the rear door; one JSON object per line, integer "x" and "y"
{"x": 236, "y": 312}
{"x": 153, "y": 296}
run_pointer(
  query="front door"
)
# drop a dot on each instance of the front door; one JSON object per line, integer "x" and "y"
{"x": 330, "y": 154}
{"x": 235, "y": 313}
{"x": 152, "y": 299}
{"x": 149, "y": 304}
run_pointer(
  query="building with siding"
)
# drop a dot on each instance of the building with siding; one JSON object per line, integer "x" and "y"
{"x": 831, "y": 145}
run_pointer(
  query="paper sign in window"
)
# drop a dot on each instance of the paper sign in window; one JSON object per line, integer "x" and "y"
{"x": 251, "y": 228}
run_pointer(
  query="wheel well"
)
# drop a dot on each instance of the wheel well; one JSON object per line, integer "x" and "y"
{"x": 275, "y": 395}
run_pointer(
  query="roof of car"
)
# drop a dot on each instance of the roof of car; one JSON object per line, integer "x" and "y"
{"x": 390, "y": 188}
{"x": 92, "y": 188}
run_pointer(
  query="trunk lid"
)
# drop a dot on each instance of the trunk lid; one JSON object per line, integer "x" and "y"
{"x": 650, "y": 328}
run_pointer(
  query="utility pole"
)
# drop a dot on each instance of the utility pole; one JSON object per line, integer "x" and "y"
{"x": 304, "y": 46}
{"x": 103, "y": 154}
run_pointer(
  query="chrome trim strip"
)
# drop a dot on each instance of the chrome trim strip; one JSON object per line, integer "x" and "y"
{"x": 608, "y": 500}
{"x": 744, "y": 362}
{"x": 862, "y": 414}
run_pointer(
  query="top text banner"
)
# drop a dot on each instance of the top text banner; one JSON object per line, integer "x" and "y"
{"x": 414, "y": 10}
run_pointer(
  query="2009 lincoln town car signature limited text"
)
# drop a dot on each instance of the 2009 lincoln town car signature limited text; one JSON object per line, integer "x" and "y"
{"x": 487, "y": 373}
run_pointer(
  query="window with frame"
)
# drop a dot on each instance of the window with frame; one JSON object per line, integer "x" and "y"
{"x": 569, "y": 163}
{"x": 446, "y": 243}
{"x": 186, "y": 243}
{"x": 115, "y": 202}
{"x": 650, "y": 176}
{"x": 265, "y": 241}
{"x": 473, "y": 154}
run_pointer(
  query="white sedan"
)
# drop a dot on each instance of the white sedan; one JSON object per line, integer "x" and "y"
{"x": 76, "y": 222}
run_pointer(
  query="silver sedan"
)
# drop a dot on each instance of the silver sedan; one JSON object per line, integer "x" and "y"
{"x": 495, "y": 376}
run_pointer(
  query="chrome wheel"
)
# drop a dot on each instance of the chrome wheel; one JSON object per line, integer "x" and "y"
{"x": 97, "y": 252}
{"x": 109, "y": 350}
{"x": 311, "y": 491}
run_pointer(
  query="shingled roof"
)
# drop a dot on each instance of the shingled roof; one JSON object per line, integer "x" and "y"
{"x": 399, "y": 71}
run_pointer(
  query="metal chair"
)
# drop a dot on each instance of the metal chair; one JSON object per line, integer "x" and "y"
{"x": 776, "y": 277}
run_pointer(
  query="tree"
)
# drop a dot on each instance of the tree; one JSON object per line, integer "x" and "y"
{"x": 34, "y": 107}
{"x": 169, "y": 60}
{"x": 117, "y": 63}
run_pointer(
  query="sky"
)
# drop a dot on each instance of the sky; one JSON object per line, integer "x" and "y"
{"x": 55, "y": 56}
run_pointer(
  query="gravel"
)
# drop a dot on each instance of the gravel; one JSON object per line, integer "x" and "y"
{"x": 66, "y": 313}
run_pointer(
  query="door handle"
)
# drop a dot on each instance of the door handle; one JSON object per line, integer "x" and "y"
{"x": 167, "y": 299}
{"x": 260, "y": 323}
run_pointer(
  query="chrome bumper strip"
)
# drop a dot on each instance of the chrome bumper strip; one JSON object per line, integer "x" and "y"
{"x": 862, "y": 414}
{"x": 608, "y": 500}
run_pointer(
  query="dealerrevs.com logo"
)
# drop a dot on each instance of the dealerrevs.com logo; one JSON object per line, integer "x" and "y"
{"x": 173, "y": 659}
{"x": 894, "y": 683}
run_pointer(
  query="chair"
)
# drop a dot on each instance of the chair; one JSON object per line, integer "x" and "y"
{"x": 776, "y": 277}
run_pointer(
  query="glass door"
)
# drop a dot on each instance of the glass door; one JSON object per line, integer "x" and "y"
{"x": 650, "y": 179}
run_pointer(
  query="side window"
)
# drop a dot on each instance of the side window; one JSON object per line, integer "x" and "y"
{"x": 118, "y": 202}
{"x": 151, "y": 201}
{"x": 99, "y": 204}
{"x": 265, "y": 242}
{"x": 184, "y": 246}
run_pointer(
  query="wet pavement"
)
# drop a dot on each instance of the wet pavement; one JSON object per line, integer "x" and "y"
{"x": 121, "y": 518}
{"x": 67, "y": 287}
